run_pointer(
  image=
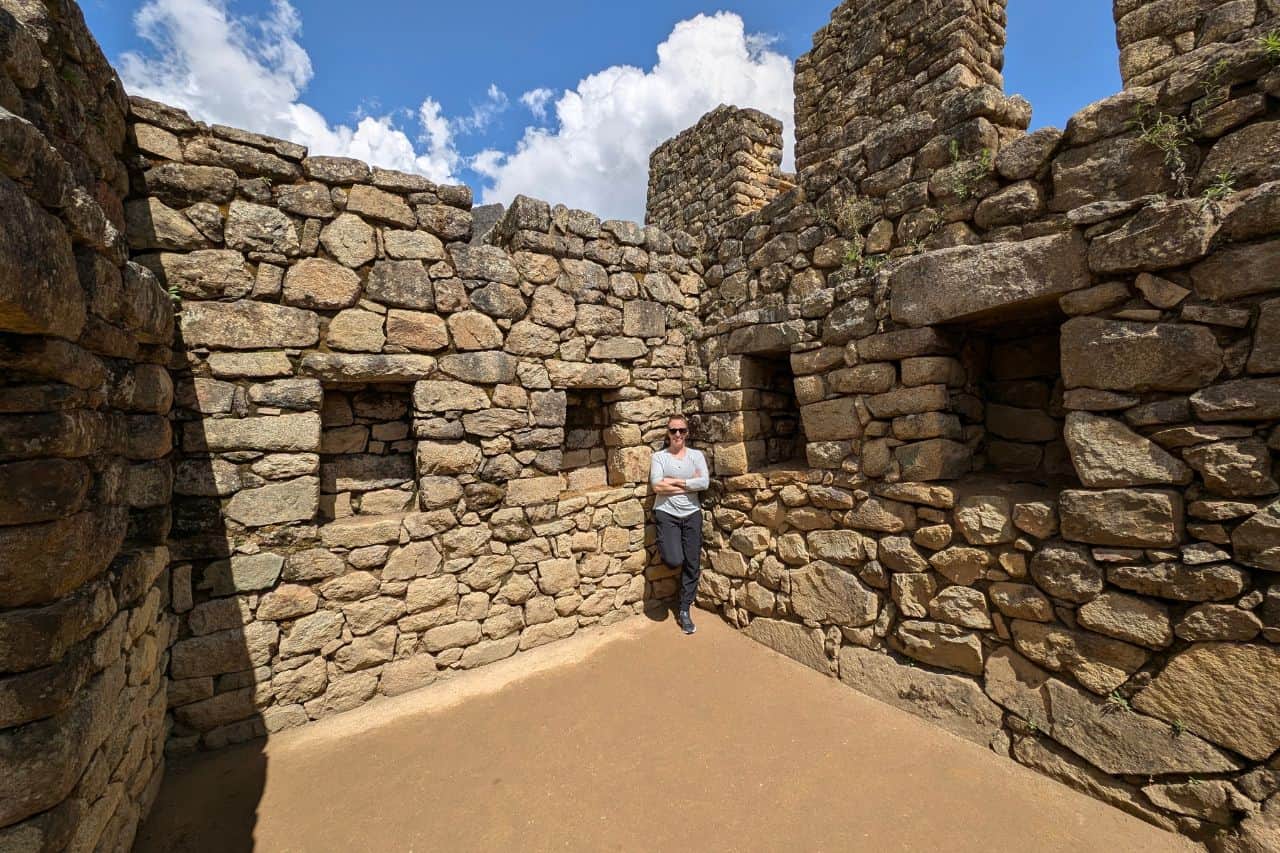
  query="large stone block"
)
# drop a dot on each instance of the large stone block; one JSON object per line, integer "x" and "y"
{"x": 1107, "y": 454}
{"x": 1257, "y": 541}
{"x": 1099, "y": 663}
{"x": 956, "y": 704}
{"x": 832, "y": 420}
{"x": 1141, "y": 518}
{"x": 246, "y": 326}
{"x": 39, "y": 290}
{"x": 1225, "y": 692}
{"x": 971, "y": 282}
{"x": 318, "y": 283}
{"x": 1116, "y": 743}
{"x": 571, "y": 374}
{"x": 296, "y": 433}
{"x": 1160, "y": 236}
{"x": 940, "y": 645}
{"x": 805, "y": 645}
{"x": 32, "y": 572}
{"x": 1241, "y": 400}
{"x": 276, "y": 503}
{"x": 1118, "y": 356}
{"x": 833, "y": 595}
{"x": 1238, "y": 271}
{"x": 367, "y": 368}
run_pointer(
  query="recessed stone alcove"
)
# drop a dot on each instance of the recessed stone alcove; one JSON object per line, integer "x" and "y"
{"x": 367, "y": 462}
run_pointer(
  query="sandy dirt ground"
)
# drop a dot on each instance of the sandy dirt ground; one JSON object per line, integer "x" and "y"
{"x": 637, "y": 738}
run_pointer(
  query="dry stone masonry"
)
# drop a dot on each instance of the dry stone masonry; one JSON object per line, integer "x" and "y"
{"x": 993, "y": 415}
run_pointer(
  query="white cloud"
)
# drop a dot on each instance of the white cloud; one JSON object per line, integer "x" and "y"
{"x": 597, "y": 158}
{"x": 251, "y": 72}
{"x": 594, "y": 154}
{"x": 537, "y": 100}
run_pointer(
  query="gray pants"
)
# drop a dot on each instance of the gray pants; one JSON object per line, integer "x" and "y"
{"x": 680, "y": 540}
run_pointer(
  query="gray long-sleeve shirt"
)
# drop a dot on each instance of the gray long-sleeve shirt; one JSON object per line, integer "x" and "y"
{"x": 692, "y": 469}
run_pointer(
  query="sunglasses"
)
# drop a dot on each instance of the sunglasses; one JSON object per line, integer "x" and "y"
{"x": 678, "y": 431}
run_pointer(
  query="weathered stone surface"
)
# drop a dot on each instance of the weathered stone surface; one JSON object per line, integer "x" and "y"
{"x": 961, "y": 565}
{"x": 565, "y": 374}
{"x": 1116, "y": 742}
{"x": 485, "y": 368}
{"x": 937, "y": 644}
{"x": 151, "y": 224}
{"x": 246, "y": 326}
{"x": 317, "y": 283}
{"x": 1123, "y": 517}
{"x": 1099, "y": 663}
{"x": 1107, "y": 454}
{"x": 297, "y": 433}
{"x": 831, "y": 594}
{"x": 1218, "y": 622}
{"x": 1067, "y": 572}
{"x": 1126, "y": 617}
{"x": 1241, "y": 400}
{"x": 954, "y": 703}
{"x": 243, "y": 573}
{"x": 367, "y": 368}
{"x": 1244, "y": 718}
{"x": 1234, "y": 468}
{"x": 276, "y": 503}
{"x": 257, "y": 228}
{"x": 1257, "y": 541}
{"x": 1119, "y": 356}
{"x": 380, "y": 205}
{"x": 797, "y": 642}
{"x": 831, "y": 421}
{"x": 417, "y": 330}
{"x": 356, "y": 330}
{"x": 935, "y": 459}
{"x": 961, "y": 606}
{"x": 413, "y": 245}
{"x": 401, "y": 284}
{"x": 350, "y": 240}
{"x": 1180, "y": 582}
{"x": 986, "y": 279}
{"x": 1160, "y": 236}
{"x": 1021, "y": 601}
{"x": 202, "y": 274}
{"x": 1237, "y": 271}
{"x": 985, "y": 520}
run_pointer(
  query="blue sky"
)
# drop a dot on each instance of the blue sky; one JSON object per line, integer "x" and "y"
{"x": 436, "y": 87}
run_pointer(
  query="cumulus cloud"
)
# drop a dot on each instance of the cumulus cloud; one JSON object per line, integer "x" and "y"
{"x": 250, "y": 72}
{"x": 597, "y": 155}
{"x": 537, "y": 100}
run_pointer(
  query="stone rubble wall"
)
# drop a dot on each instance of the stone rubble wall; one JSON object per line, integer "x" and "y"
{"x": 726, "y": 166}
{"x": 84, "y": 446}
{"x": 1039, "y": 499}
{"x": 375, "y": 485}
{"x": 1156, "y": 36}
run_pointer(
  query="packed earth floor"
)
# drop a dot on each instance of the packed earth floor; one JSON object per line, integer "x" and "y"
{"x": 630, "y": 738}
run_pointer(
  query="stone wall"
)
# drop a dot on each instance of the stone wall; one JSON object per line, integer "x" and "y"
{"x": 84, "y": 441}
{"x": 1038, "y": 504}
{"x": 1156, "y": 36}
{"x": 727, "y": 166}
{"x": 378, "y": 482}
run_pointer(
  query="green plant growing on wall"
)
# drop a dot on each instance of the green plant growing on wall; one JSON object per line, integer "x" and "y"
{"x": 1172, "y": 136}
{"x": 872, "y": 265}
{"x": 174, "y": 296}
{"x": 852, "y": 255}
{"x": 968, "y": 174}
{"x": 1222, "y": 186}
{"x": 1116, "y": 704}
{"x": 1271, "y": 45}
{"x": 1214, "y": 91}
{"x": 854, "y": 216}
{"x": 1178, "y": 728}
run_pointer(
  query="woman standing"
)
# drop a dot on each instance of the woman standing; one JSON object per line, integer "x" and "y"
{"x": 677, "y": 474}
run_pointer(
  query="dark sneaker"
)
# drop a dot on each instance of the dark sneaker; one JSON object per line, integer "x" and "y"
{"x": 686, "y": 624}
